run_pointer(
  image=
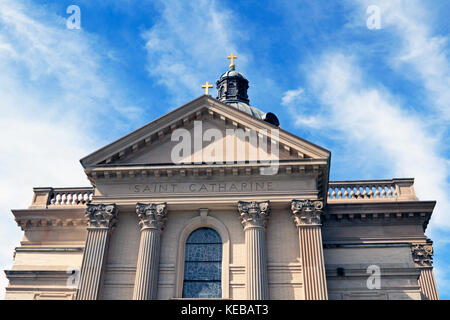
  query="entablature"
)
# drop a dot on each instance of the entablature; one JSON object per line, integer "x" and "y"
{"x": 389, "y": 212}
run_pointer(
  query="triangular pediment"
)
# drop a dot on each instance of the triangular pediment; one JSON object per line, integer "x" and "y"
{"x": 152, "y": 144}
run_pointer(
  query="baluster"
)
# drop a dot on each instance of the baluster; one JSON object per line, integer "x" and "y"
{"x": 64, "y": 199}
{"x": 377, "y": 192}
{"x": 358, "y": 192}
{"x": 58, "y": 199}
{"x": 389, "y": 192}
{"x": 364, "y": 192}
{"x": 370, "y": 193}
{"x": 52, "y": 199}
{"x": 69, "y": 199}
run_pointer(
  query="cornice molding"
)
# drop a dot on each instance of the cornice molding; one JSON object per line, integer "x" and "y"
{"x": 393, "y": 211}
{"x": 28, "y": 219}
{"x": 122, "y": 172}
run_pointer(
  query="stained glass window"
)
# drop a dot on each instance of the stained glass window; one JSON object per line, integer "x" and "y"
{"x": 203, "y": 264}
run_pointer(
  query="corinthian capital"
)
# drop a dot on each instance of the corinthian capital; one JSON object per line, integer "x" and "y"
{"x": 152, "y": 215}
{"x": 422, "y": 255}
{"x": 254, "y": 214}
{"x": 101, "y": 215}
{"x": 306, "y": 212}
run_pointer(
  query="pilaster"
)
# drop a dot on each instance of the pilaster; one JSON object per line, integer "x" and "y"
{"x": 254, "y": 216}
{"x": 423, "y": 259}
{"x": 307, "y": 218}
{"x": 152, "y": 219}
{"x": 102, "y": 218}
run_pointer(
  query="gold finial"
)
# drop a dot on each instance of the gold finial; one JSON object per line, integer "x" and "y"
{"x": 232, "y": 57}
{"x": 207, "y": 86}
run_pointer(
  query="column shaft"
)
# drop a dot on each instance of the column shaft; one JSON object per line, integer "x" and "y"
{"x": 311, "y": 255}
{"x": 152, "y": 218}
{"x": 93, "y": 264}
{"x": 422, "y": 254}
{"x": 102, "y": 218}
{"x": 256, "y": 271}
{"x": 428, "y": 284}
{"x": 148, "y": 264}
{"x": 307, "y": 217}
{"x": 254, "y": 216}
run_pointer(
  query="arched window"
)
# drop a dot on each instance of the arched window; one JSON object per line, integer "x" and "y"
{"x": 203, "y": 265}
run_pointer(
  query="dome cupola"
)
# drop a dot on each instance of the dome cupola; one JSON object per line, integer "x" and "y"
{"x": 232, "y": 89}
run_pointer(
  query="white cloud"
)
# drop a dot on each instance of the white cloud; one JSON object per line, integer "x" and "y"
{"x": 377, "y": 130}
{"x": 189, "y": 45}
{"x": 51, "y": 96}
{"x": 377, "y": 127}
{"x": 292, "y": 100}
{"x": 420, "y": 55}
{"x": 292, "y": 96}
{"x": 370, "y": 119}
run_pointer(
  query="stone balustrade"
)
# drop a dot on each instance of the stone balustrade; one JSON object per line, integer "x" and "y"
{"x": 66, "y": 196}
{"x": 372, "y": 190}
{"x": 50, "y": 197}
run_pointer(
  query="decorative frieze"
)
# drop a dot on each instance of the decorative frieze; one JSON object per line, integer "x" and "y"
{"x": 254, "y": 213}
{"x": 49, "y": 222}
{"x": 422, "y": 255}
{"x": 152, "y": 215}
{"x": 306, "y": 212}
{"x": 101, "y": 215}
{"x": 215, "y": 170}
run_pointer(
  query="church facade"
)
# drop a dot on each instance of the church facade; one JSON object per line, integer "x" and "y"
{"x": 216, "y": 200}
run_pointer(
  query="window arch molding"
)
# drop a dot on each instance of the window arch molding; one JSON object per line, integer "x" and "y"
{"x": 204, "y": 222}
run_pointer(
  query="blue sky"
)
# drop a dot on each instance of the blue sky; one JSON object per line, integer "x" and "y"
{"x": 379, "y": 99}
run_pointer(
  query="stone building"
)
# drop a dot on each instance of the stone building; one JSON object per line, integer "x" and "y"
{"x": 216, "y": 200}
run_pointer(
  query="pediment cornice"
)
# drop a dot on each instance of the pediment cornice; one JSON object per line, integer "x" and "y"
{"x": 198, "y": 109}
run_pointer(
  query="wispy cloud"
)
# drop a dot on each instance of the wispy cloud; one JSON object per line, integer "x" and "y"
{"x": 188, "y": 46}
{"x": 53, "y": 92}
{"x": 373, "y": 119}
{"x": 373, "y": 127}
{"x": 421, "y": 55}
{"x": 372, "y": 122}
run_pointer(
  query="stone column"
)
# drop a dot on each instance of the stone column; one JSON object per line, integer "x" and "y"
{"x": 101, "y": 220}
{"x": 423, "y": 259}
{"x": 152, "y": 218}
{"x": 254, "y": 216}
{"x": 307, "y": 215}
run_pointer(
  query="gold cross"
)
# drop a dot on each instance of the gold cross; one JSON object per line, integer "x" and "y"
{"x": 206, "y": 86}
{"x": 232, "y": 57}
